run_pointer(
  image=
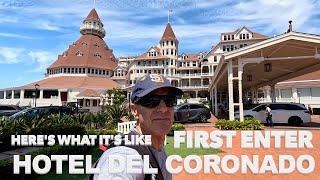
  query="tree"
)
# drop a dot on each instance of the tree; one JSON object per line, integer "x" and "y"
{"x": 185, "y": 97}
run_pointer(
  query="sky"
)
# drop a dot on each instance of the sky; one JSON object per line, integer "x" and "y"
{"x": 34, "y": 32}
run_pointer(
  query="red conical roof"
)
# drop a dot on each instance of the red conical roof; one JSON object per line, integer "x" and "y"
{"x": 93, "y": 15}
{"x": 89, "y": 46}
{"x": 168, "y": 34}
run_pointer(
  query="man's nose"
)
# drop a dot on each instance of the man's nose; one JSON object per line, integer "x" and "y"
{"x": 162, "y": 106}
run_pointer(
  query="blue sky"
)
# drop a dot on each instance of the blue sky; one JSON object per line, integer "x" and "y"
{"x": 34, "y": 32}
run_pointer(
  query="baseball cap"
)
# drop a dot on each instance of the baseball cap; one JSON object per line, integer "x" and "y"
{"x": 151, "y": 82}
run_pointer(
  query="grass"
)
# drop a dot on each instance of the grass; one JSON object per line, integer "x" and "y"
{"x": 96, "y": 153}
{"x": 183, "y": 151}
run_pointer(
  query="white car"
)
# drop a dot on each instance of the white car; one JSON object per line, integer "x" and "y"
{"x": 291, "y": 113}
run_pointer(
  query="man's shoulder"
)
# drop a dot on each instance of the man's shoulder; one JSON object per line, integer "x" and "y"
{"x": 121, "y": 150}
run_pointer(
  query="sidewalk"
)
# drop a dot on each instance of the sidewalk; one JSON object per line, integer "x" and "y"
{"x": 238, "y": 151}
{"x": 25, "y": 150}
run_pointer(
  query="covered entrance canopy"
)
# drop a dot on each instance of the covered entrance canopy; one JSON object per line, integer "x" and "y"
{"x": 265, "y": 63}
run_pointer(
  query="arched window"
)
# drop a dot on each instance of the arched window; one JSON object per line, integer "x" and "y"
{"x": 96, "y": 45}
{"x": 84, "y": 43}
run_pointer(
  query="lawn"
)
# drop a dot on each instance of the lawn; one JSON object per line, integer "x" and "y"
{"x": 183, "y": 151}
{"x": 96, "y": 153}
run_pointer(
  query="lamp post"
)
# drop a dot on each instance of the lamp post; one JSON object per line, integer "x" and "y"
{"x": 34, "y": 97}
{"x": 36, "y": 86}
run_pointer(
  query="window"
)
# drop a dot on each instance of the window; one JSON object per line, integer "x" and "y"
{"x": 167, "y": 43}
{"x": 171, "y": 43}
{"x": 240, "y": 36}
{"x": 215, "y": 59}
{"x": 224, "y": 48}
{"x": 247, "y": 36}
{"x": 83, "y": 43}
{"x": 92, "y": 71}
{"x": 104, "y": 72}
{"x": 232, "y": 37}
{"x": 231, "y": 47}
{"x": 138, "y": 63}
{"x": 68, "y": 70}
{"x": 97, "y": 55}
{"x": 96, "y": 45}
{"x": 241, "y": 45}
{"x": 228, "y": 37}
{"x": 225, "y": 37}
{"x": 87, "y": 102}
{"x": 171, "y": 62}
{"x": 76, "y": 71}
{"x": 163, "y": 43}
{"x": 94, "y": 102}
{"x": 194, "y": 63}
{"x": 79, "y": 53}
{"x": 167, "y": 52}
{"x": 171, "y": 51}
{"x": 156, "y": 63}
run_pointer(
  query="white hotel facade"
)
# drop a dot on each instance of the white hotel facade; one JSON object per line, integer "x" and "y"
{"x": 88, "y": 68}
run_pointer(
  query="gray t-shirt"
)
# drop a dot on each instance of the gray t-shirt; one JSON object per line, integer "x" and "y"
{"x": 123, "y": 151}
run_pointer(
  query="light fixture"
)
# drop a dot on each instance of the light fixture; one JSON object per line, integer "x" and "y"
{"x": 249, "y": 77}
{"x": 267, "y": 67}
{"x": 36, "y": 86}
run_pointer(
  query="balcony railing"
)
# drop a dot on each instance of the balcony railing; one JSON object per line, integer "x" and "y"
{"x": 194, "y": 75}
{"x": 194, "y": 87}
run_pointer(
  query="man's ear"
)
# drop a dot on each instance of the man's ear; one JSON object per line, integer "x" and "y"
{"x": 134, "y": 111}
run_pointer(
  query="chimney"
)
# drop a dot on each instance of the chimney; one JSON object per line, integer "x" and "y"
{"x": 290, "y": 26}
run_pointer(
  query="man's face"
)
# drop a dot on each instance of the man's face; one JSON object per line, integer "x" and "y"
{"x": 155, "y": 121}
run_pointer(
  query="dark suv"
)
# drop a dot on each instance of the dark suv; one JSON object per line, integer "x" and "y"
{"x": 8, "y": 110}
{"x": 191, "y": 112}
{"x": 31, "y": 113}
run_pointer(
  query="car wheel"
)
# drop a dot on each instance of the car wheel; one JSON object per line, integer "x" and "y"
{"x": 294, "y": 121}
{"x": 203, "y": 118}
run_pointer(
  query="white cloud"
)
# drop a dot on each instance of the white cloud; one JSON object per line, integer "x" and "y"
{"x": 47, "y": 26}
{"x": 42, "y": 59}
{"x": 10, "y": 55}
{"x": 15, "y": 36}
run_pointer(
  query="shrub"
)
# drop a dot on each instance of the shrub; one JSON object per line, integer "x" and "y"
{"x": 102, "y": 132}
{"x": 176, "y": 127}
{"x": 247, "y": 124}
{"x": 60, "y": 130}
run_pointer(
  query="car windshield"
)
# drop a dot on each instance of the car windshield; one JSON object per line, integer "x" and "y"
{"x": 177, "y": 106}
{"x": 22, "y": 112}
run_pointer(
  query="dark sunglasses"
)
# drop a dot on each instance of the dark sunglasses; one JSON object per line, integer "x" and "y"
{"x": 152, "y": 101}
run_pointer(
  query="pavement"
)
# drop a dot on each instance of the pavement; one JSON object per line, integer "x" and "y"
{"x": 237, "y": 151}
{"x": 25, "y": 150}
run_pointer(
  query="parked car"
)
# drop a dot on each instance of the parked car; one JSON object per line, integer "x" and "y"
{"x": 291, "y": 113}
{"x": 191, "y": 112}
{"x": 8, "y": 110}
{"x": 31, "y": 113}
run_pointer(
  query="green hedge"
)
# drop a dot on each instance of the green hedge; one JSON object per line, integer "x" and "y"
{"x": 247, "y": 124}
{"x": 5, "y": 137}
{"x": 176, "y": 127}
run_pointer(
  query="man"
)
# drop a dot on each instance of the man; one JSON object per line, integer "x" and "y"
{"x": 269, "y": 115}
{"x": 152, "y": 101}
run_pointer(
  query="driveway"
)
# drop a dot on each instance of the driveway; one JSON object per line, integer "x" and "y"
{"x": 275, "y": 152}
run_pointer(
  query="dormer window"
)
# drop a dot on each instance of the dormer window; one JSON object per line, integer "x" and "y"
{"x": 84, "y": 43}
{"x": 96, "y": 45}
{"x": 65, "y": 54}
{"x": 97, "y": 55}
{"x": 79, "y": 53}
